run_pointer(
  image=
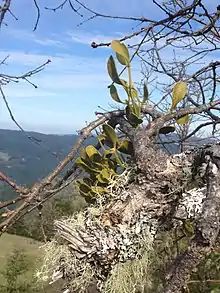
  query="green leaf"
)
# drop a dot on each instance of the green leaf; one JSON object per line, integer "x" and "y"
{"x": 85, "y": 191}
{"x": 183, "y": 120}
{"x": 99, "y": 190}
{"x": 136, "y": 110}
{"x": 132, "y": 117}
{"x": 134, "y": 120}
{"x": 100, "y": 165}
{"x": 134, "y": 93}
{"x": 110, "y": 134}
{"x": 83, "y": 154}
{"x": 121, "y": 51}
{"x": 104, "y": 176}
{"x": 188, "y": 227}
{"x": 87, "y": 181}
{"x": 122, "y": 60}
{"x": 179, "y": 92}
{"x": 80, "y": 162}
{"x": 108, "y": 143}
{"x": 126, "y": 147}
{"x": 106, "y": 173}
{"x": 93, "y": 153}
{"x": 146, "y": 94}
{"x": 112, "y": 70}
{"x": 101, "y": 180}
{"x": 114, "y": 94}
{"x": 167, "y": 129}
{"x": 84, "y": 187}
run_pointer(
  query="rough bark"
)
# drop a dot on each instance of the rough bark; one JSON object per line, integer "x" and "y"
{"x": 162, "y": 188}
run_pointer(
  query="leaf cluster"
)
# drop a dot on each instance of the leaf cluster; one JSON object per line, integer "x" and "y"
{"x": 102, "y": 166}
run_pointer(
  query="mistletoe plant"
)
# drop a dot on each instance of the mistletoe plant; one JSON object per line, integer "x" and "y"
{"x": 105, "y": 164}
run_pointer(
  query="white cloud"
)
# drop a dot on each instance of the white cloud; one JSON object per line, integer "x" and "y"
{"x": 69, "y": 91}
{"x": 64, "y": 71}
{"x": 24, "y": 35}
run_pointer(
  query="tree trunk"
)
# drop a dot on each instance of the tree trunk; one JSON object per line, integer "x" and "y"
{"x": 160, "y": 190}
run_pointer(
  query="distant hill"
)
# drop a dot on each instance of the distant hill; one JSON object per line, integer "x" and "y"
{"x": 25, "y": 161}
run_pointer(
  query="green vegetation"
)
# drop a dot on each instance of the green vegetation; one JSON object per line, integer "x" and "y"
{"x": 103, "y": 168}
{"x": 20, "y": 257}
{"x": 21, "y": 158}
{"x": 64, "y": 204}
{"x": 10, "y": 242}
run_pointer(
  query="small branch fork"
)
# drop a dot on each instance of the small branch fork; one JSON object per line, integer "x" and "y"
{"x": 4, "y": 9}
{"x": 5, "y": 79}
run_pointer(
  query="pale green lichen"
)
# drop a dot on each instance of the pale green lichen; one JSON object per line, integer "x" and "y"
{"x": 132, "y": 276}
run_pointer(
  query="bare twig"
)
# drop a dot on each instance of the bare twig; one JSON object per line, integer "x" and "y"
{"x": 16, "y": 187}
{"x": 3, "y": 10}
{"x": 38, "y": 14}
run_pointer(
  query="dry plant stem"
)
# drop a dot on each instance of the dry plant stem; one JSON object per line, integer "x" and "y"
{"x": 38, "y": 14}
{"x": 95, "y": 13}
{"x": 153, "y": 24}
{"x": 4, "y": 80}
{"x": 3, "y": 10}
{"x": 11, "y": 202}
{"x": 16, "y": 187}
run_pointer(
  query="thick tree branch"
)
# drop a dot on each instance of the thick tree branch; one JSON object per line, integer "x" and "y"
{"x": 207, "y": 226}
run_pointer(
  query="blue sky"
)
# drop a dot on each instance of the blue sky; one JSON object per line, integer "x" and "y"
{"x": 73, "y": 85}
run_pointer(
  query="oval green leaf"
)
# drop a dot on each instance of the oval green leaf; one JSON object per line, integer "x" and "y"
{"x": 167, "y": 129}
{"x": 114, "y": 94}
{"x": 91, "y": 151}
{"x": 110, "y": 134}
{"x": 80, "y": 162}
{"x": 183, "y": 120}
{"x": 132, "y": 117}
{"x": 105, "y": 173}
{"x": 136, "y": 110}
{"x": 101, "y": 180}
{"x": 121, "y": 51}
{"x": 134, "y": 93}
{"x": 126, "y": 147}
{"x": 146, "y": 94}
{"x": 112, "y": 70}
{"x": 179, "y": 92}
{"x": 99, "y": 190}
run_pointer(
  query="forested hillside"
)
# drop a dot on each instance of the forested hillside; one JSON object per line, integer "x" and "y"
{"x": 27, "y": 160}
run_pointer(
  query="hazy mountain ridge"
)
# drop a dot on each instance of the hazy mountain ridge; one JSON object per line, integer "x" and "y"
{"x": 26, "y": 162}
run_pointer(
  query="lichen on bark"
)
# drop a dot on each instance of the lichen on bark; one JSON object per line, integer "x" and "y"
{"x": 157, "y": 197}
